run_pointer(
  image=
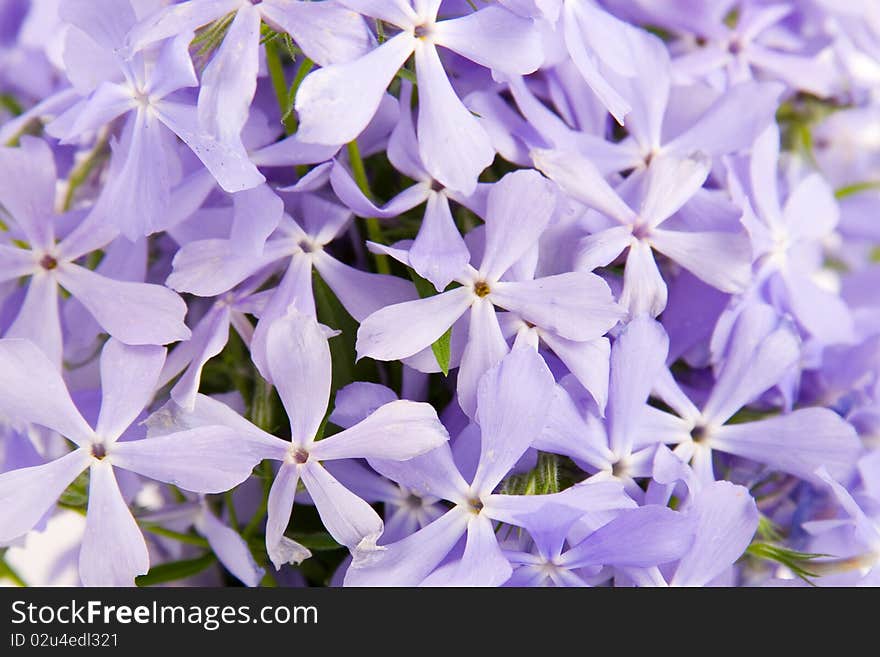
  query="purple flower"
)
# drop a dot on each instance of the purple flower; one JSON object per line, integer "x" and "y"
{"x": 206, "y": 460}
{"x": 133, "y": 312}
{"x": 299, "y": 361}
{"x": 576, "y": 305}
{"x": 509, "y": 416}
{"x": 336, "y": 102}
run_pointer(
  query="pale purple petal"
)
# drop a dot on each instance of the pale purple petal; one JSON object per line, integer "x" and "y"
{"x": 587, "y": 66}
{"x": 228, "y": 163}
{"x": 439, "y": 253}
{"x": 398, "y": 430}
{"x": 409, "y": 561}
{"x": 639, "y": 538}
{"x": 519, "y": 208}
{"x": 404, "y": 329}
{"x": 209, "y": 459}
{"x": 493, "y": 37}
{"x": 732, "y": 123}
{"x": 482, "y": 564}
{"x": 134, "y": 313}
{"x": 644, "y": 290}
{"x": 281, "y": 549}
{"x": 258, "y": 212}
{"x": 513, "y": 399}
{"x": 602, "y": 248}
{"x": 574, "y": 305}
{"x": 327, "y": 33}
{"x": 433, "y": 474}
{"x": 27, "y": 187}
{"x": 15, "y": 262}
{"x": 796, "y": 443}
{"x": 177, "y": 19}
{"x": 671, "y": 183}
{"x": 230, "y": 79}
{"x": 299, "y": 361}
{"x": 348, "y": 519}
{"x": 396, "y": 12}
{"x": 32, "y": 390}
{"x": 231, "y": 549}
{"x": 336, "y": 103}
{"x": 726, "y": 520}
{"x": 209, "y": 338}
{"x": 362, "y": 293}
{"x": 173, "y": 69}
{"x": 637, "y": 357}
{"x": 453, "y": 145}
{"x": 351, "y": 195}
{"x": 113, "y": 551}
{"x": 106, "y": 21}
{"x": 26, "y": 494}
{"x": 129, "y": 376}
{"x": 485, "y": 348}
{"x": 588, "y": 361}
{"x": 38, "y": 319}
{"x": 723, "y": 260}
{"x": 357, "y": 400}
{"x": 579, "y": 178}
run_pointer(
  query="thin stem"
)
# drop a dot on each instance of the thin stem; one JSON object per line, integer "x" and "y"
{"x": 279, "y": 84}
{"x": 304, "y": 69}
{"x": 230, "y": 509}
{"x": 374, "y": 229}
{"x": 83, "y": 170}
{"x": 260, "y": 513}
{"x": 189, "y": 539}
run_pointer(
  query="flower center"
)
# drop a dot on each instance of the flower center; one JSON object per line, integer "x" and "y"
{"x": 307, "y": 246}
{"x": 421, "y": 31}
{"x": 481, "y": 289}
{"x": 475, "y": 505}
{"x": 699, "y": 434}
{"x": 99, "y": 451}
{"x": 48, "y": 262}
{"x": 300, "y": 456}
{"x": 413, "y": 501}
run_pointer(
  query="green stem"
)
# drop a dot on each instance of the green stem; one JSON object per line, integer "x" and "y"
{"x": 374, "y": 229}
{"x": 855, "y": 188}
{"x": 279, "y": 84}
{"x": 260, "y": 513}
{"x": 304, "y": 69}
{"x": 189, "y": 539}
{"x": 230, "y": 509}
{"x": 82, "y": 171}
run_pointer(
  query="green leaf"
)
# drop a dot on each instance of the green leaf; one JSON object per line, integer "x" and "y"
{"x": 175, "y": 570}
{"x": 543, "y": 479}
{"x": 855, "y": 188}
{"x": 769, "y": 530}
{"x": 797, "y": 562}
{"x": 441, "y": 347}
{"x": 316, "y": 541}
{"x": 76, "y": 495}
{"x": 332, "y": 313}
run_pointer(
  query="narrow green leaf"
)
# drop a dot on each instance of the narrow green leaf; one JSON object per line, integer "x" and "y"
{"x": 855, "y": 188}
{"x": 441, "y": 347}
{"x": 797, "y": 562}
{"x": 176, "y": 570}
{"x": 316, "y": 541}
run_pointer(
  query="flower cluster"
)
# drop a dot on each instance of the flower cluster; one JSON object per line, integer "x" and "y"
{"x": 521, "y": 292}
